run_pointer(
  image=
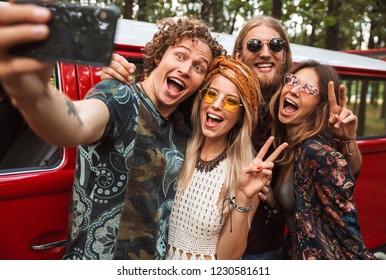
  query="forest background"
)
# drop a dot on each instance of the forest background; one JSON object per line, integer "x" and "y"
{"x": 330, "y": 24}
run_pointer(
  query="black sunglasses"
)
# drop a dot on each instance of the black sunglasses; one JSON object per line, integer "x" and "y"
{"x": 275, "y": 44}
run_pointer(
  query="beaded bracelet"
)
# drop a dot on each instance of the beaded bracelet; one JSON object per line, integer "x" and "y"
{"x": 239, "y": 208}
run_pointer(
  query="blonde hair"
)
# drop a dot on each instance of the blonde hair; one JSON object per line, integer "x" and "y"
{"x": 239, "y": 149}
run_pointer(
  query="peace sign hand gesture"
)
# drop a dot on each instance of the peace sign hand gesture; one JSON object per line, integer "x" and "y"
{"x": 254, "y": 178}
{"x": 342, "y": 122}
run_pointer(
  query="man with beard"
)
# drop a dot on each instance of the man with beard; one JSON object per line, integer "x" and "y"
{"x": 263, "y": 45}
{"x": 130, "y": 139}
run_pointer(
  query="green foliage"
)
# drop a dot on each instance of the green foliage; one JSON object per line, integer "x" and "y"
{"x": 306, "y": 20}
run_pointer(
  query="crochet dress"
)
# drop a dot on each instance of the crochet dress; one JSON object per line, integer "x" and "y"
{"x": 194, "y": 225}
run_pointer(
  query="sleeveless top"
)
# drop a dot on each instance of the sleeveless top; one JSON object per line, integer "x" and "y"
{"x": 195, "y": 226}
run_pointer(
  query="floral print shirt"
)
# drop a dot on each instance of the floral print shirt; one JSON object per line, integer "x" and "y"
{"x": 326, "y": 216}
{"x": 125, "y": 183}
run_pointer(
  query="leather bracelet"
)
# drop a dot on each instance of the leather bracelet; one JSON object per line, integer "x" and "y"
{"x": 239, "y": 208}
{"x": 346, "y": 142}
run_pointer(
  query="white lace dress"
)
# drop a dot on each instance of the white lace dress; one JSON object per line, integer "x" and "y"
{"x": 194, "y": 225}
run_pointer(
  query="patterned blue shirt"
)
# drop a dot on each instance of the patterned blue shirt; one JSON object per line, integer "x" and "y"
{"x": 125, "y": 183}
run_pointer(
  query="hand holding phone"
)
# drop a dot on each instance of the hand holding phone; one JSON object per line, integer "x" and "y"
{"x": 81, "y": 34}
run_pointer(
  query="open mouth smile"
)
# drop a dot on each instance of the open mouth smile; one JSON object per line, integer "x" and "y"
{"x": 289, "y": 106}
{"x": 175, "y": 85}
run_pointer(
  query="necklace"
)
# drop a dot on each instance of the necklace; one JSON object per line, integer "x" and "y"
{"x": 142, "y": 88}
{"x": 208, "y": 166}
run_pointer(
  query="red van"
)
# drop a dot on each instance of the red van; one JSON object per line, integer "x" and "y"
{"x": 36, "y": 178}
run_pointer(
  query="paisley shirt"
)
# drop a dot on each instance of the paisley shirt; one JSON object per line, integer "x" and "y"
{"x": 125, "y": 183}
{"x": 326, "y": 216}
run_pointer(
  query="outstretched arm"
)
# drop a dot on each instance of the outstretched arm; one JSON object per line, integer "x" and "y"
{"x": 27, "y": 81}
{"x": 252, "y": 180}
{"x": 343, "y": 125}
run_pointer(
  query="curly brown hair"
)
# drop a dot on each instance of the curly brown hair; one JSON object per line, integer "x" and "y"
{"x": 171, "y": 32}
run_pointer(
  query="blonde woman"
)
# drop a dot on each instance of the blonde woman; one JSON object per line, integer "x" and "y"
{"x": 222, "y": 180}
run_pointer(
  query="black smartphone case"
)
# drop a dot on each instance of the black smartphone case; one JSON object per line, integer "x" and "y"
{"x": 78, "y": 34}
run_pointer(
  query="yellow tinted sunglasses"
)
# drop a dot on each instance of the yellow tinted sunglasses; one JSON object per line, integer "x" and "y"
{"x": 230, "y": 102}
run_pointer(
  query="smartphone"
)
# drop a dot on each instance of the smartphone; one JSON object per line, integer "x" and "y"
{"x": 81, "y": 34}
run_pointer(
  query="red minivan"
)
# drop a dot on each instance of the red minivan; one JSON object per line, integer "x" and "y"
{"x": 36, "y": 178}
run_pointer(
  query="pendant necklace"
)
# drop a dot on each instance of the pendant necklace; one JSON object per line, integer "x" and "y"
{"x": 142, "y": 88}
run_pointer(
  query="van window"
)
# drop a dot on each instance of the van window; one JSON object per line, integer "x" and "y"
{"x": 366, "y": 97}
{"x": 20, "y": 147}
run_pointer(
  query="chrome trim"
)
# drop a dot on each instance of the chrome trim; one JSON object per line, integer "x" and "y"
{"x": 48, "y": 245}
{"x": 23, "y": 171}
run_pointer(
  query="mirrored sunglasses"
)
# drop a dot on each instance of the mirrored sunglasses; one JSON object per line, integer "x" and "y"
{"x": 290, "y": 80}
{"x": 275, "y": 44}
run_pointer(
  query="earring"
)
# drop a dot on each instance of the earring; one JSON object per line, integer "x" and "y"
{"x": 239, "y": 123}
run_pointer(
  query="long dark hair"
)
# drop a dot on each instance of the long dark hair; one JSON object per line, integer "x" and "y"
{"x": 317, "y": 122}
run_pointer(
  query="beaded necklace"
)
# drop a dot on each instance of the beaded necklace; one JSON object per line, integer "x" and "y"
{"x": 208, "y": 166}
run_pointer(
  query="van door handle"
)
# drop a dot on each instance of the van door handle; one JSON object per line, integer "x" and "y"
{"x": 48, "y": 245}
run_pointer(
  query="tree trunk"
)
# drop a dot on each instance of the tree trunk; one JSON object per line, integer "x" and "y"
{"x": 348, "y": 91}
{"x": 233, "y": 20}
{"x": 371, "y": 36}
{"x": 362, "y": 109}
{"x": 383, "y": 108}
{"x": 276, "y": 9}
{"x": 218, "y": 16}
{"x": 374, "y": 93}
{"x": 142, "y": 10}
{"x": 355, "y": 111}
{"x": 333, "y": 32}
{"x": 128, "y": 9}
{"x": 314, "y": 24}
{"x": 205, "y": 11}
